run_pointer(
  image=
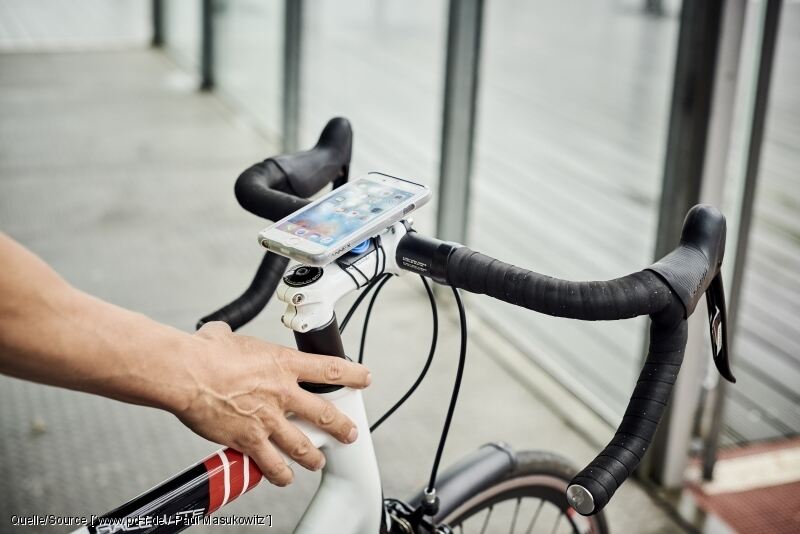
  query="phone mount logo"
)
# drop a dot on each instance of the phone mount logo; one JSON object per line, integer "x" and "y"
{"x": 302, "y": 275}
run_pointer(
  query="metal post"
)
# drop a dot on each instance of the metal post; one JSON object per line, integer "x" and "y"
{"x": 723, "y": 102}
{"x": 693, "y": 88}
{"x": 689, "y": 118}
{"x": 715, "y": 175}
{"x": 465, "y": 26}
{"x": 157, "y": 7}
{"x": 206, "y": 45}
{"x": 292, "y": 56}
{"x": 769, "y": 35}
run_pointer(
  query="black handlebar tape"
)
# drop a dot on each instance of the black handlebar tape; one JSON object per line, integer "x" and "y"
{"x": 263, "y": 189}
{"x": 641, "y": 293}
{"x": 308, "y": 172}
{"x": 252, "y": 301}
{"x": 690, "y": 268}
{"x": 280, "y": 185}
{"x": 273, "y": 189}
{"x": 593, "y": 487}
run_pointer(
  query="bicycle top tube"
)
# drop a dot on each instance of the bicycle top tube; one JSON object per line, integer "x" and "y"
{"x": 667, "y": 291}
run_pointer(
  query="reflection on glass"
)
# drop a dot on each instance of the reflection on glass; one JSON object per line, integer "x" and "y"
{"x": 380, "y": 64}
{"x": 765, "y": 403}
{"x": 78, "y": 25}
{"x": 573, "y": 111}
{"x": 248, "y": 58}
{"x": 182, "y": 31}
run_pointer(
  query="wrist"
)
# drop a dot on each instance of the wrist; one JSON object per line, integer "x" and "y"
{"x": 175, "y": 386}
{"x": 152, "y": 366}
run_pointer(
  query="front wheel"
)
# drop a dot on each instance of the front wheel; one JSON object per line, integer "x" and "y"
{"x": 530, "y": 499}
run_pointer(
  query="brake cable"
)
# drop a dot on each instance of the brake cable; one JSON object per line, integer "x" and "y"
{"x": 430, "y": 503}
{"x": 377, "y": 277}
{"x": 360, "y": 299}
{"x": 367, "y": 316}
{"x": 431, "y": 352}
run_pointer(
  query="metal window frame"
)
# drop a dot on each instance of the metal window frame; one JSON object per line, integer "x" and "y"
{"x": 684, "y": 162}
{"x": 292, "y": 71}
{"x": 769, "y": 36}
{"x": 464, "y": 36}
{"x": 206, "y": 45}
{"x": 701, "y": 177}
{"x": 157, "y": 21}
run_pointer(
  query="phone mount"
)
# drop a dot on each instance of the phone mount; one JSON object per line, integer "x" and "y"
{"x": 311, "y": 293}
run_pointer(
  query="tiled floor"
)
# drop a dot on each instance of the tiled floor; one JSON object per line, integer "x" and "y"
{"x": 755, "y": 489}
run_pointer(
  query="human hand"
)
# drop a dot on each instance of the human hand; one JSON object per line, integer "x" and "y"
{"x": 241, "y": 388}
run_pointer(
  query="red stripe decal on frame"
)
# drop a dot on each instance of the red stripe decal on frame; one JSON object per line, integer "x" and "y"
{"x": 236, "y": 461}
{"x": 216, "y": 482}
{"x": 255, "y": 475}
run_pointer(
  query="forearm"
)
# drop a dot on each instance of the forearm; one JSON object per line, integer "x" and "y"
{"x": 54, "y": 334}
{"x": 229, "y": 388}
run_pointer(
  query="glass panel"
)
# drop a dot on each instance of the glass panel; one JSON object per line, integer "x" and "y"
{"x": 182, "y": 31}
{"x": 381, "y": 65}
{"x": 248, "y": 58}
{"x": 573, "y": 115}
{"x": 55, "y": 25}
{"x": 765, "y": 404}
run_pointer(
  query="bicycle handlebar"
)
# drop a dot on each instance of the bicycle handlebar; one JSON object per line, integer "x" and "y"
{"x": 281, "y": 185}
{"x": 592, "y": 488}
{"x": 250, "y": 303}
{"x": 668, "y": 291}
{"x": 686, "y": 272}
{"x": 273, "y": 189}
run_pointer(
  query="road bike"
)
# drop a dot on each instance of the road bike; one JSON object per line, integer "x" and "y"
{"x": 536, "y": 491}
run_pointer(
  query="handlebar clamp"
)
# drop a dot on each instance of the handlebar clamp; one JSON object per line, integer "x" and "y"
{"x": 425, "y": 256}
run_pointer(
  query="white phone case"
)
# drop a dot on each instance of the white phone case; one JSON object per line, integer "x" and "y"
{"x": 310, "y": 253}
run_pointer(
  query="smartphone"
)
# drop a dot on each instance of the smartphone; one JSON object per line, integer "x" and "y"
{"x": 333, "y": 224}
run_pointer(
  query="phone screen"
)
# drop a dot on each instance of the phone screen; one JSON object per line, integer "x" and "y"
{"x": 344, "y": 211}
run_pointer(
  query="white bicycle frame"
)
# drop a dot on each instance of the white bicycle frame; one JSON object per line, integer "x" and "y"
{"x": 349, "y": 498}
{"x": 349, "y": 495}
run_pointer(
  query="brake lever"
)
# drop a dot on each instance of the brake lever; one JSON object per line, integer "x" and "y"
{"x": 718, "y": 325}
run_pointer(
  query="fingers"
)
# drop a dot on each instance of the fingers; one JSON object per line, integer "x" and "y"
{"x": 297, "y": 446}
{"x": 271, "y": 463}
{"x": 330, "y": 370}
{"x": 325, "y": 415}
